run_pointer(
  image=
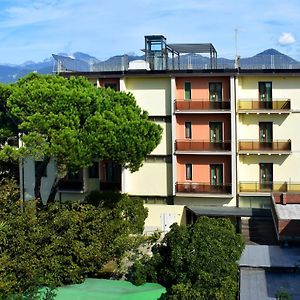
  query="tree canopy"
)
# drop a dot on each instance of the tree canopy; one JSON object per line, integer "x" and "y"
{"x": 74, "y": 123}
{"x": 65, "y": 243}
{"x": 194, "y": 262}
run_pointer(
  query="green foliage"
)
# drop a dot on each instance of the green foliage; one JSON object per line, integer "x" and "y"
{"x": 64, "y": 243}
{"x": 74, "y": 123}
{"x": 282, "y": 294}
{"x": 194, "y": 262}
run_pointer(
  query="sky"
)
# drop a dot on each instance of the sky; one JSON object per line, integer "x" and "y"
{"x": 34, "y": 29}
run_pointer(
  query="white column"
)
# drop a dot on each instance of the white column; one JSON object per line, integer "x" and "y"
{"x": 173, "y": 132}
{"x": 124, "y": 174}
{"x": 233, "y": 135}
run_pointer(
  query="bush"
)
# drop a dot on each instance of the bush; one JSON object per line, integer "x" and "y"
{"x": 64, "y": 243}
{"x": 194, "y": 262}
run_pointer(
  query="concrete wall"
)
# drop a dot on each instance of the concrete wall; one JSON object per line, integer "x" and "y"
{"x": 214, "y": 200}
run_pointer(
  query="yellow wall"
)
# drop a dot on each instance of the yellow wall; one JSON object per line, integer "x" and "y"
{"x": 155, "y": 211}
{"x": 285, "y": 126}
{"x": 153, "y": 179}
{"x": 152, "y": 94}
{"x": 165, "y": 145}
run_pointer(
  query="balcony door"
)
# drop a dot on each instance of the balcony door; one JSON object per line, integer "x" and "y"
{"x": 216, "y": 175}
{"x": 265, "y": 94}
{"x": 265, "y": 135}
{"x": 266, "y": 176}
{"x": 216, "y": 132}
{"x": 215, "y": 91}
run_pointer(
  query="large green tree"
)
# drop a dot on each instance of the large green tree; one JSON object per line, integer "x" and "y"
{"x": 195, "y": 262}
{"x": 73, "y": 123}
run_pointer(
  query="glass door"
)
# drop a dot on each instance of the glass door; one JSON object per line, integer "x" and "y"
{"x": 265, "y": 135}
{"x": 265, "y": 95}
{"x": 215, "y": 95}
{"x": 216, "y": 135}
{"x": 216, "y": 177}
{"x": 266, "y": 176}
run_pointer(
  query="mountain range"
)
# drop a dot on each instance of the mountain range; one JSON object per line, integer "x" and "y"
{"x": 268, "y": 58}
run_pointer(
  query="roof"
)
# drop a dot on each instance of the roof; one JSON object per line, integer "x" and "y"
{"x": 261, "y": 284}
{"x": 270, "y": 257}
{"x": 288, "y": 211}
{"x": 227, "y": 211}
{"x": 193, "y": 48}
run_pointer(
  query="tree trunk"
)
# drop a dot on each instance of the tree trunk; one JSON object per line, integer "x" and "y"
{"x": 39, "y": 171}
{"x": 53, "y": 191}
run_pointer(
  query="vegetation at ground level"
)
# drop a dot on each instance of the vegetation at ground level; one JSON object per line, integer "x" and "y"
{"x": 72, "y": 123}
{"x": 194, "y": 262}
{"x": 64, "y": 243}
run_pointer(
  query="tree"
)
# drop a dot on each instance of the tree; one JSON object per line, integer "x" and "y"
{"x": 65, "y": 243}
{"x": 194, "y": 262}
{"x": 73, "y": 123}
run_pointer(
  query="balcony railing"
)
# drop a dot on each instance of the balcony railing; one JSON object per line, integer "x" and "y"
{"x": 269, "y": 186}
{"x": 275, "y": 104}
{"x": 202, "y": 187}
{"x": 198, "y": 145}
{"x": 276, "y": 145}
{"x": 202, "y": 105}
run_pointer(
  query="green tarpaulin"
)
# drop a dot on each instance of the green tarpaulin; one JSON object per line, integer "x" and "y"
{"x": 109, "y": 290}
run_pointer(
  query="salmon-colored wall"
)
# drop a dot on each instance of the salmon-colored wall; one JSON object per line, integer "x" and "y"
{"x": 200, "y": 125}
{"x": 200, "y": 87}
{"x": 200, "y": 169}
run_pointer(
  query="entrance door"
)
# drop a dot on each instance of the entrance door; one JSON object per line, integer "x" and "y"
{"x": 265, "y": 95}
{"x": 266, "y": 176}
{"x": 216, "y": 177}
{"x": 266, "y": 135}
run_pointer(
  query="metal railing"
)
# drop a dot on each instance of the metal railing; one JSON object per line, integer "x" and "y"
{"x": 198, "y": 145}
{"x": 269, "y": 186}
{"x": 275, "y": 145}
{"x": 254, "y": 104}
{"x": 182, "y": 104}
{"x": 202, "y": 187}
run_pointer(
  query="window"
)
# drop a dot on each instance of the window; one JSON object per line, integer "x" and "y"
{"x": 37, "y": 164}
{"x": 187, "y": 91}
{"x": 265, "y": 91}
{"x": 94, "y": 170}
{"x": 215, "y": 91}
{"x": 112, "y": 86}
{"x": 188, "y": 171}
{"x": 188, "y": 130}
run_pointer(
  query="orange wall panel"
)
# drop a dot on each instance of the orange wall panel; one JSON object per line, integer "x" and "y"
{"x": 200, "y": 87}
{"x": 200, "y": 125}
{"x": 201, "y": 167}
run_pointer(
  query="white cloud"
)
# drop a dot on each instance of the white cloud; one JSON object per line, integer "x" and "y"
{"x": 286, "y": 38}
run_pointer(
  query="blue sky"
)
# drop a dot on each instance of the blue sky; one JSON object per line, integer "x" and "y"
{"x": 34, "y": 29}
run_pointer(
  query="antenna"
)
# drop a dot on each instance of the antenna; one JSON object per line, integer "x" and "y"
{"x": 237, "y": 63}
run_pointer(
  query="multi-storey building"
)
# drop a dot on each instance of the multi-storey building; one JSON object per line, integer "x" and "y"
{"x": 229, "y": 135}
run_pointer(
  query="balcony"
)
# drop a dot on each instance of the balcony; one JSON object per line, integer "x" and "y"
{"x": 202, "y": 146}
{"x": 255, "y": 146}
{"x": 202, "y": 188}
{"x": 201, "y": 106}
{"x": 268, "y": 187}
{"x": 255, "y": 106}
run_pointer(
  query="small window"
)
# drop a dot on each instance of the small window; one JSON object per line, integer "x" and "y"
{"x": 188, "y": 130}
{"x": 187, "y": 90}
{"x": 37, "y": 164}
{"x": 94, "y": 170}
{"x": 188, "y": 172}
{"x": 112, "y": 86}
